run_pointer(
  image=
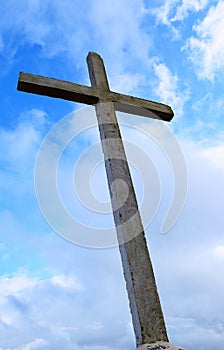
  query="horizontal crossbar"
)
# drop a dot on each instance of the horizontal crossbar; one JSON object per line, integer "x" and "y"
{"x": 83, "y": 94}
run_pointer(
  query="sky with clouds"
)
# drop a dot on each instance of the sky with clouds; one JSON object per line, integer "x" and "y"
{"x": 55, "y": 294}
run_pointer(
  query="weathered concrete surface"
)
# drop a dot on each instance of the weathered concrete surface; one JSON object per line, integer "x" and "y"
{"x": 143, "y": 296}
{"x": 159, "y": 346}
{"x": 91, "y": 95}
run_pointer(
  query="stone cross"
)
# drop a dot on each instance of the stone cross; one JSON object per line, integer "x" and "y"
{"x": 143, "y": 296}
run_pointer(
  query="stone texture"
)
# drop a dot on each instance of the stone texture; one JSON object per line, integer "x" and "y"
{"x": 147, "y": 316}
{"x": 159, "y": 346}
{"x": 144, "y": 301}
{"x": 91, "y": 95}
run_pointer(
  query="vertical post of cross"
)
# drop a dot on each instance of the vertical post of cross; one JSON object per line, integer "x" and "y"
{"x": 144, "y": 301}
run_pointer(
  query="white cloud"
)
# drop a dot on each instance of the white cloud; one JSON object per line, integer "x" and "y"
{"x": 206, "y": 48}
{"x": 54, "y": 314}
{"x": 168, "y": 88}
{"x": 80, "y": 297}
{"x": 188, "y": 6}
{"x": 36, "y": 344}
{"x": 121, "y": 24}
{"x": 177, "y": 10}
{"x": 19, "y": 144}
{"x": 127, "y": 82}
{"x": 219, "y": 251}
{"x": 66, "y": 282}
{"x": 2, "y": 246}
{"x": 216, "y": 155}
{"x": 28, "y": 21}
{"x": 200, "y": 336}
{"x": 193, "y": 252}
{"x": 16, "y": 284}
{"x": 163, "y": 12}
{"x": 73, "y": 28}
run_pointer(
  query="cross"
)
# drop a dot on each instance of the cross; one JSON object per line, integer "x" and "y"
{"x": 146, "y": 311}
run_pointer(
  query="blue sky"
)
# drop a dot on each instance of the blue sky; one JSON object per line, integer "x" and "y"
{"x": 59, "y": 295}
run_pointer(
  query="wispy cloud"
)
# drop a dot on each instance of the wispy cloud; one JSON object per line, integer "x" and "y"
{"x": 168, "y": 88}
{"x": 216, "y": 155}
{"x": 206, "y": 48}
{"x": 55, "y": 313}
{"x": 127, "y": 83}
{"x": 19, "y": 146}
{"x": 72, "y": 29}
{"x": 188, "y": 6}
{"x": 177, "y": 10}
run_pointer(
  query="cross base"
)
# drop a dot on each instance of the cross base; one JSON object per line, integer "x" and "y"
{"x": 160, "y": 345}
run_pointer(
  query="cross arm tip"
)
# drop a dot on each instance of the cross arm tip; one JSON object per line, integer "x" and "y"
{"x": 24, "y": 81}
{"x": 20, "y": 79}
{"x": 142, "y": 107}
{"x": 166, "y": 115}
